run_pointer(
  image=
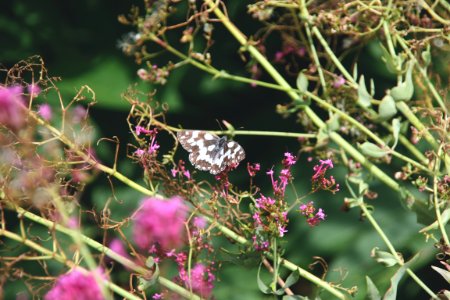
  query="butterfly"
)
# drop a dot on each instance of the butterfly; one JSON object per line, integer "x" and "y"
{"x": 208, "y": 152}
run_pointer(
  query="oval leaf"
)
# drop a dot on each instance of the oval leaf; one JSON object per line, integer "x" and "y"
{"x": 387, "y": 109}
{"x": 363, "y": 95}
{"x": 384, "y": 257}
{"x": 372, "y": 150}
{"x": 302, "y": 82}
{"x": 404, "y": 90}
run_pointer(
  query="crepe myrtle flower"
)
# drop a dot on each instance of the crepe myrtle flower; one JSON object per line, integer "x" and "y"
{"x": 159, "y": 221}
{"x": 77, "y": 284}
{"x": 313, "y": 218}
{"x": 319, "y": 181}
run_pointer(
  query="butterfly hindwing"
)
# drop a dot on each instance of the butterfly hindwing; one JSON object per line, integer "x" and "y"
{"x": 208, "y": 152}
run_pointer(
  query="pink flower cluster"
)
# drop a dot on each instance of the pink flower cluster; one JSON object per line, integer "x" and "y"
{"x": 76, "y": 285}
{"x": 161, "y": 222}
{"x": 287, "y": 50}
{"x": 252, "y": 169}
{"x": 153, "y": 147}
{"x": 180, "y": 169}
{"x": 313, "y": 217}
{"x": 320, "y": 182}
{"x": 270, "y": 216}
{"x": 279, "y": 185}
{"x": 201, "y": 280}
{"x": 11, "y": 107}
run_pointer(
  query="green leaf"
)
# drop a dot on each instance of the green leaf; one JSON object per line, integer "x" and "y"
{"x": 261, "y": 285}
{"x": 373, "y": 150}
{"x": 404, "y": 90}
{"x": 395, "y": 131}
{"x": 426, "y": 56}
{"x": 445, "y": 216}
{"x": 372, "y": 290}
{"x": 363, "y": 95}
{"x": 355, "y": 72}
{"x": 387, "y": 108}
{"x": 384, "y": 257}
{"x": 292, "y": 278}
{"x": 444, "y": 273}
{"x": 391, "y": 293}
{"x": 297, "y": 297}
{"x": 333, "y": 123}
{"x": 302, "y": 82}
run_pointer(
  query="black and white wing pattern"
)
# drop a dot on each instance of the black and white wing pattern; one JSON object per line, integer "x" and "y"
{"x": 208, "y": 152}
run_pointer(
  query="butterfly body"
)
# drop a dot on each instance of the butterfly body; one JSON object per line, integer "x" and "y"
{"x": 209, "y": 152}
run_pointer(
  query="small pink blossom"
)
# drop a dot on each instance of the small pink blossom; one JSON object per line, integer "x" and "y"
{"x": 289, "y": 159}
{"x": 11, "y": 107}
{"x": 139, "y": 152}
{"x": 159, "y": 221}
{"x": 338, "y": 82}
{"x": 117, "y": 246}
{"x": 45, "y": 111}
{"x": 201, "y": 280}
{"x": 252, "y": 169}
{"x": 199, "y": 222}
{"x": 282, "y": 230}
{"x": 157, "y": 296}
{"x": 76, "y": 285}
{"x": 320, "y": 182}
{"x": 34, "y": 90}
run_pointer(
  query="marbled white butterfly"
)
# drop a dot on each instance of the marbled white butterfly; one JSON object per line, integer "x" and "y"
{"x": 208, "y": 152}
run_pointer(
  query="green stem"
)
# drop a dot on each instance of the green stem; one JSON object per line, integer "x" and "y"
{"x": 391, "y": 248}
{"x": 314, "y": 118}
{"x": 287, "y": 264}
{"x": 441, "y": 224}
{"x": 107, "y": 251}
{"x": 61, "y": 259}
{"x": 423, "y": 72}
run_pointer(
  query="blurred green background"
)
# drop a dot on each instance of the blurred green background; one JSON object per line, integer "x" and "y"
{"x": 77, "y": 40}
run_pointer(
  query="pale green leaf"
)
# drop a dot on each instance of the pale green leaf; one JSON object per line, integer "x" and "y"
{"x": 387, "y": 108}
{"x": 363, "y": 95}
{"x": 373, "y": 150}
{"x": 372, "y": 290}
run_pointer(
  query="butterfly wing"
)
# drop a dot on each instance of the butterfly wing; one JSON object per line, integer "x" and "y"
{"x": 230, "y": 155}
{"x": 201, "y": 145}
{"x": 207, "y": 153}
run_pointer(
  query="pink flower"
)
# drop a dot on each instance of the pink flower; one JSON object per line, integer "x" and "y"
{"x": 320, "y": 182}
{"x": 139, "y": 152}
{"x": 11, "y": 107}
{"x": 289, "y": 159}
{"x": 201, "y": 280}
{"x": 159, "y": 221}
{"x": 252, "y": 169}
{"x": 157, "y": 296}
{"x": 282, "y": 230}
{"x": 338, "y": 82}
{"x": 45, "y": 111}
{"x": 34, "y": 90}
{"x": 200, "y": 222}
{"x": 308, "y": 211}
{"x": 76, "y": 285}
{"x": 117, "y": 246}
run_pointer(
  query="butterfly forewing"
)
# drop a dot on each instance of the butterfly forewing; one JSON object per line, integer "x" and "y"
{"x": 210, "y": 153}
